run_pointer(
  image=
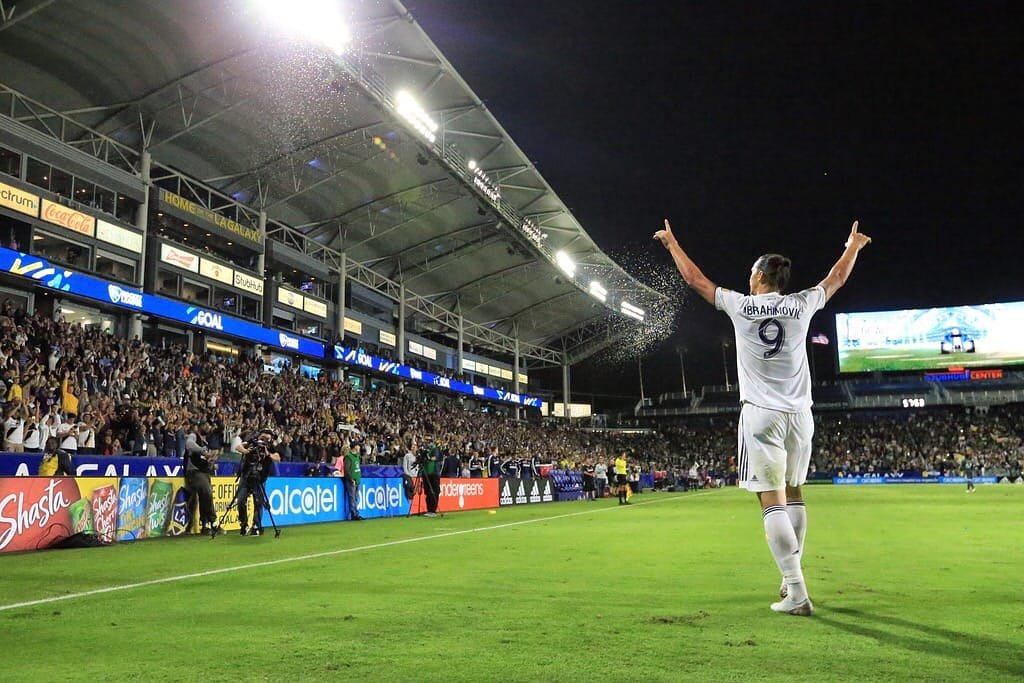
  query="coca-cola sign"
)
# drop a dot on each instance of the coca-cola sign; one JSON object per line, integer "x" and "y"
{"x": 58, "y": 214}
{"x": 34, "y": 512}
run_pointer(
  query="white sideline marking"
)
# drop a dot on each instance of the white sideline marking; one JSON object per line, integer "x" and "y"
{"x": 328, "y": 553}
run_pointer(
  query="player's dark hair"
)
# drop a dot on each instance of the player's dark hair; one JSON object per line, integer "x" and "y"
{"x": 776, "y": 270}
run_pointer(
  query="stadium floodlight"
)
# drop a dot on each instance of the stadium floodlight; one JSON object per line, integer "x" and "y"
{"x": 483, "y": 182}
{"x": 632, "y": 311}
{"x": 533, "y": 233}
{"x": 598, "y": 292}
{"x": 317, "y": 21}
{"x": 410, "y": 110}
{"x": 566, "y": 263}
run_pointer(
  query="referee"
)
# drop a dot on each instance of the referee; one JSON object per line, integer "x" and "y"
{"x": 621, "y": 477}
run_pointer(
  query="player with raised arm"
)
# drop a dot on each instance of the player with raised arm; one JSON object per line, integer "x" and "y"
{"x": 775, "y": 426}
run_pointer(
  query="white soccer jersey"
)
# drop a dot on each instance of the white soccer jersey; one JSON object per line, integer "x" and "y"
{"x": 771, "y": 355}
{"x": 33, "y": 434}
{"x": 14, "y": 431}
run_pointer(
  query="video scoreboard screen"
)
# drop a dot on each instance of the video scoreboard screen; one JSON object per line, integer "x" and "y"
{"x": 988, "y": 335}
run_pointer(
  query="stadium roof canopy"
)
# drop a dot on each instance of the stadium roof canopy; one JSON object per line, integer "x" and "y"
{"x": 317, "y": 139}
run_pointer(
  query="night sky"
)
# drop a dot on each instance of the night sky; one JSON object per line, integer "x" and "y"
{"x": 761, "y": 127}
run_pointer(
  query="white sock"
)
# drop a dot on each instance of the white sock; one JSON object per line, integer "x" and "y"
{"x": 786, "y": 550}
{"x": 798, "y": 518}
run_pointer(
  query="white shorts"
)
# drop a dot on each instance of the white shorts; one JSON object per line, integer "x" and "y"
{"x": 774, "y": 448}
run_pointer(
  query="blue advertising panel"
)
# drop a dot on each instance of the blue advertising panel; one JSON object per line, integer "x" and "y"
{"x": 27, "y": 465}
{"x": 360, "y": 358}
{"x": 304, "y": 500}
{"x": 382, "y": 497}
{"x": 855, "y": 481}
{"x": 89, "y": 287}
{"x": 932, "y": 338}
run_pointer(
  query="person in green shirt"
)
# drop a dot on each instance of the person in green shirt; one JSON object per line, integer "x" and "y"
{"x": 351, "y": 478}
{"x": 431, "y": 474}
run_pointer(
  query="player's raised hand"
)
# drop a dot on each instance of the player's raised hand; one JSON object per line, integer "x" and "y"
{"x": 665, "y": 236}
{"x": 857, "y": 239}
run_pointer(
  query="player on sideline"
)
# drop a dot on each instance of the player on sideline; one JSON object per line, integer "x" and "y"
{"x": 775, "y": 426}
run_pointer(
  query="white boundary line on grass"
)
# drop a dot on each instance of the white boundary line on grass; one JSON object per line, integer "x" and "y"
{"x": 328, "y": 553}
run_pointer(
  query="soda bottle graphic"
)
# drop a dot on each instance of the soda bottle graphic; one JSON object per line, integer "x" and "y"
{"x": 81, "y": 516}
{"x": 104, "y": 512}
{"x": 158, "y": 513}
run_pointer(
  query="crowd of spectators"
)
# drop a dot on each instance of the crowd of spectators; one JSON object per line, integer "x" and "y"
{"x": 98, "y": 393}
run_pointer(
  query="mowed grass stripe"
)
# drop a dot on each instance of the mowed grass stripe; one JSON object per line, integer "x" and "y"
{"x": 327, "y": 553}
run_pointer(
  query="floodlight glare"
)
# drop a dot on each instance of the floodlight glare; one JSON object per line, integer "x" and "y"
{"x": 317, "y": 21}
{"x": 631, "y": 311}
{"x": 598, "y": 292}
{"x": 566, "y": 263}
{"x": 409, "y": 109}
{"x": 472, "y": 165}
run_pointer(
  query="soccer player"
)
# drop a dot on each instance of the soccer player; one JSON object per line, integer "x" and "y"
{"x": 775, "y": 426}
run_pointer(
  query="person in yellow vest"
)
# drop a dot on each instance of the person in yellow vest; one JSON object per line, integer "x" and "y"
{"x": 621, "y": 474}
{"x": 55, "y": 462}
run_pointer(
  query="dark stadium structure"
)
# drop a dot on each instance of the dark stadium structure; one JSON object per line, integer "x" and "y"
{"x": 361, "y": 195}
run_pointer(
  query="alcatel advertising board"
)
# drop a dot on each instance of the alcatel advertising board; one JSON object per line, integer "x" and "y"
{"x": 931, "y": 338}
{"x": 59, "y": 279}
{"x": 358, "y": 357}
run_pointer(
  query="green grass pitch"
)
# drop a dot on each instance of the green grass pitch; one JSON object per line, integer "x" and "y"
{"x": 904, "y": 359}
{"x": 910, "y": 583}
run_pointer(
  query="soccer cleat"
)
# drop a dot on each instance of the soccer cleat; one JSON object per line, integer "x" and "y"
{"x": 799, "y": 609}
{"x": 783, "y": 589}
{"x": 242, "y": 531}
{"x": 255, "y": 531}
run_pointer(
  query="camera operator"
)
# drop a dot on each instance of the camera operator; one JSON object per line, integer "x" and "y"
{"x": 429, "y": 459}
{"x": 200, "y": 463}
{"x": 255, "y": 466}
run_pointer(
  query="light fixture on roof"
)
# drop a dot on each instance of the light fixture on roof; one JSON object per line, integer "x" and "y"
{"x": 598, "y": 292}
{"x": 632, "y": 311}
{"x": 566, "y": 263}
{"x": 317, "y": 21}
{"x": 410, "y": 110}
{"x": 532, "y": 232}
{"x": 483, "y": 181}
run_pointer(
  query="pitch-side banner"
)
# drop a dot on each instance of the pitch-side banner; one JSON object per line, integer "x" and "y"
{"x": 38, "y": 512}
{"x": 380, "y": 497}
{"x": 848, "y": 481}
{"x": 304, "y": 500}
{"x": 27, "y": 465}
{"x": 515, "y": 491}
{"x": 461, "y": 494}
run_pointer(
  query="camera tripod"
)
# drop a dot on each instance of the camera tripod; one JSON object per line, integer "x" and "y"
{"x": 259, "y": 492}
{"x": 421, "y": 484}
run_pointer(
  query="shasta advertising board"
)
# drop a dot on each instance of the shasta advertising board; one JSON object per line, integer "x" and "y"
{"x": 38, "y": 512}
{"x": 931, "y": 338}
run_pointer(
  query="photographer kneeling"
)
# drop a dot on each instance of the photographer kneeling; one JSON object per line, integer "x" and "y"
{"x": 255, "y": 465}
